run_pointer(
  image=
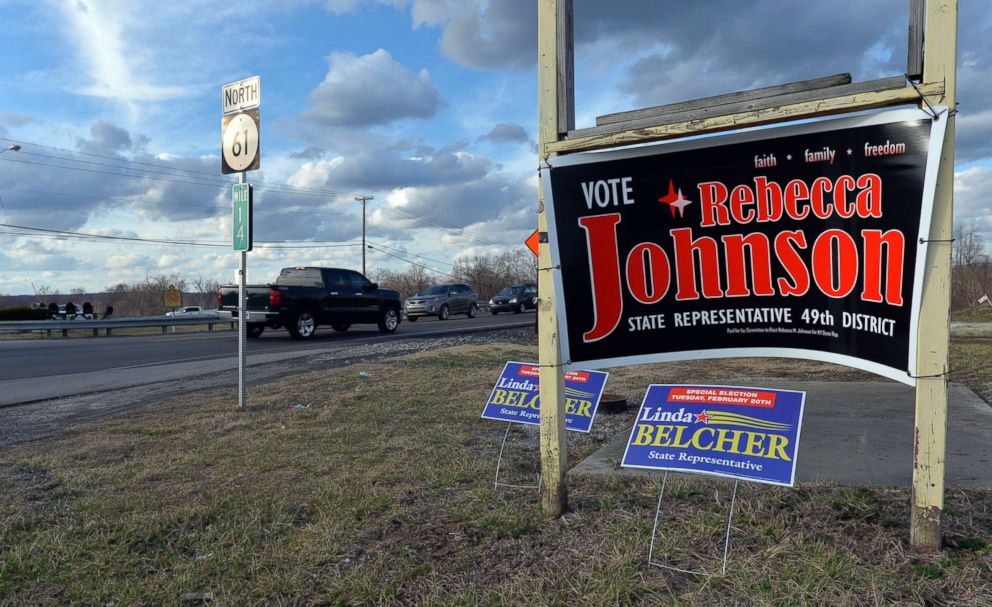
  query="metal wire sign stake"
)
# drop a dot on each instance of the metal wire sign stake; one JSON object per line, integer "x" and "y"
{"x": 726, "y": 539}
{"x": 499, "y": 462}
{"x": 734, "y": 432}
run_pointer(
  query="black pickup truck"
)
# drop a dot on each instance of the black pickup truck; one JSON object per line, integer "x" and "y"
{"x": 304, "y": 297}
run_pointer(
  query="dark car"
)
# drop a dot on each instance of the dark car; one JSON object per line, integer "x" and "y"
{"x": 442, "y": 301}
{"x": 514, "y": 298}
{"x": 303, "y": 298}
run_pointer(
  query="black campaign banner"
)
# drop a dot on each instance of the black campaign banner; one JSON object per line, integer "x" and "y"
{"x": 804, "y": 241}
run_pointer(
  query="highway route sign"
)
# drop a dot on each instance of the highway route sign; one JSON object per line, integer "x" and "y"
{"x": 240, "y": 142}
{"x": 241, "y": 211}
{"x": 241, "y": 95}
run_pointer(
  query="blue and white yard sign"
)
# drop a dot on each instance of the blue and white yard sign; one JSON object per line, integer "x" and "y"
{"x": 516, "y": 397}
{"x": 746, "y": 433}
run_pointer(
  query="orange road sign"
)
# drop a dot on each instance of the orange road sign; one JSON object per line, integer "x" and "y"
{"x": 532, "y": 241}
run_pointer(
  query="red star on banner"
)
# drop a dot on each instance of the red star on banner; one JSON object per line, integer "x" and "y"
{"x": 675, "y": 200}
{"x": 703, "y": 417}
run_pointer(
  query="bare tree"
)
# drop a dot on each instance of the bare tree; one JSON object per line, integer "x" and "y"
{"x": 408, "y": 282}
{"x": 971, "y": 274}
{"x": 205, "y": 291}
{"x": 143, "y": 298}
{"x": 490, "y": 273}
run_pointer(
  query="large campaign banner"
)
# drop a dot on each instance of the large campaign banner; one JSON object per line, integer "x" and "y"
{"x": 805, "y": 241}
{"x": 516, "y": 396}
{"x": 738, "y": 432}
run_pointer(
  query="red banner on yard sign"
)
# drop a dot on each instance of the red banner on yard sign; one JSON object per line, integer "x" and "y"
{"x": 805, "y": 241}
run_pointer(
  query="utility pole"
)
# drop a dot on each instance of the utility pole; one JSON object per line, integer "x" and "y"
{"x": 364, "y": 200}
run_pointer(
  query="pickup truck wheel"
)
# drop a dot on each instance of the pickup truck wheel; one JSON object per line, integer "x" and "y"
{"x": 303, "y": 326}
{"x": 389, "y": 320}
{"x": 472, "y": 311}
{"x": 519, "y": 309}
{"x": 495, "y": 312}
{"x": 341, "y": 327}
{"x": 255, "y": 330}
{"x": 443, "y": 313}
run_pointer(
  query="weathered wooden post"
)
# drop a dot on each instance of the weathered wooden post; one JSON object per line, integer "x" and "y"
{"x": 930, "y": 436}
{"x": 556, "y": 116}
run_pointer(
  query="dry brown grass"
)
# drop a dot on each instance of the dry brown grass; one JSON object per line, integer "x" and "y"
{"x": 381, "y": 493}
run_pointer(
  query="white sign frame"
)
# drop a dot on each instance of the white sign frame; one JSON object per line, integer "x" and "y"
{"x": 758, "y": 134}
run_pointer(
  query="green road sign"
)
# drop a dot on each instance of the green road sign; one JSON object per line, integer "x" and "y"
{"x": 241, "y": 207}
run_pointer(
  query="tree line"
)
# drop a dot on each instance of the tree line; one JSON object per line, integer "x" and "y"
{"x": 487, "y": 274}
{"x": 137, "y": 298}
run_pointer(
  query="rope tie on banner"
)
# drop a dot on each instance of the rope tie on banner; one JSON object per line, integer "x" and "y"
{"x": 934, "y": 376}
{"x": 561, "y": 364}
{"x": 933, "y": 112}
{"x": 929, "y": 240}
{"x": 549, "y": 268}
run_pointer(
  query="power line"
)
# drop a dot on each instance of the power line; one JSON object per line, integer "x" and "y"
{"x": 418, "y": 256}
{"x": 135, "y": 199}
{"x": 413, "y": 263}
{"x": 424, "y": 218}
{"x": 127, "y": 161}
{"x": 210, "y": 180}
{"x": 437, "y": 222}
{"x": 51, "y": 233}
{"x": 136, "y": 173}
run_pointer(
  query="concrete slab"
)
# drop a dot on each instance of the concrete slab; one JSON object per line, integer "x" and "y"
{"x": 861, "y": 433}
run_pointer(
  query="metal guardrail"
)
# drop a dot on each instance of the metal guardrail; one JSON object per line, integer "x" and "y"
{"x": 973, "y": 330}
{"x": 109, "y": 324}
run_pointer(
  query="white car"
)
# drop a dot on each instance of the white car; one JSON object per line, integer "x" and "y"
{"x": 191, "y": 311}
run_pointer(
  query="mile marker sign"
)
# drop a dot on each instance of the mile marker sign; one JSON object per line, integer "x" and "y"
{"x": 241, "y": 211}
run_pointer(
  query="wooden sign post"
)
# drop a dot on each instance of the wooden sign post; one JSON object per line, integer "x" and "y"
{"x": 556, "y": 109}
{"x": 929, "y": 81}
{"x": 930, "y": 435}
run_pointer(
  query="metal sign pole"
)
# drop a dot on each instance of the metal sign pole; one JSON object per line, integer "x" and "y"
{"x": 242, "y": 324}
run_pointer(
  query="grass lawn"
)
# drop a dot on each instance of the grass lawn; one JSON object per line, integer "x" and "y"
{"x": 381, "y": 492}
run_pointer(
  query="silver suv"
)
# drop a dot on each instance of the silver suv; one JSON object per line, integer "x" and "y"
{"x": 442, "y": 301}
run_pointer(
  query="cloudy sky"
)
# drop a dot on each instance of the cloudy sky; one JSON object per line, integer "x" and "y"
{"x": 427, "y": 105}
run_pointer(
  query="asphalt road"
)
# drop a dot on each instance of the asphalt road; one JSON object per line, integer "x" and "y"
{"x": 39, "y": 369}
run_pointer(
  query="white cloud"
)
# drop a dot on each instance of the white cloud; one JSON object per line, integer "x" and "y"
{"x": 110, "y": 63}
{"x": 971, "y": 196}
{"x": 373, "y": 89}
{"x": 506, "y": 132}
{"x": 126, "y": 261}
{"x": 168, "y": 262}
